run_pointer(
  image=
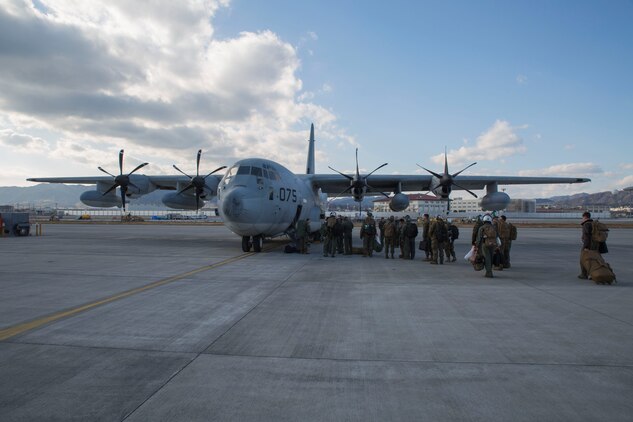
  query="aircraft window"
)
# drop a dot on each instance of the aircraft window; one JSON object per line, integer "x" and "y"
{"x": 244, "y": 170}
{"x": 274, "y": 175}
{"x": 256, "y": 171}
{"x": 229, "y": 175}
{"x": 266, "y": 174}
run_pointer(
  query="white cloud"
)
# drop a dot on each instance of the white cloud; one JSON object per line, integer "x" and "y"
{"x": 564, "y": 170}
{"x": 21, "y": 142}
{"x": 627, "y": 166}
{"x": 625, "y": 182}
{"x": 499, "y": 142}
{"x": 150, "y": 77}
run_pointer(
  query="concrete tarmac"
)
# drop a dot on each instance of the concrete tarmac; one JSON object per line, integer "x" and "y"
{"x": 176, "y": 323}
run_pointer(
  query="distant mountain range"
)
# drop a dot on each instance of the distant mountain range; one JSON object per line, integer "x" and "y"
{"x": 67, "y": 196}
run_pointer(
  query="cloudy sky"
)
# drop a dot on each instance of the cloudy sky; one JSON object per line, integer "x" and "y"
{"x": 523, "y": 87}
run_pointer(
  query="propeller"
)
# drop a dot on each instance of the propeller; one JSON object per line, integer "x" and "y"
{"x": 122, "y": 180}
{"x": 446, "y": 180}
{"x": 358, "y": 184}
{"x": 197, "y": 182}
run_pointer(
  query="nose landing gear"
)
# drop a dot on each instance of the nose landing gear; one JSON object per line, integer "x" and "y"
{"x": 257, "y": 243}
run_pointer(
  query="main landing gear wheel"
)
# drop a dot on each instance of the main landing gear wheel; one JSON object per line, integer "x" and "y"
{"x": 258, "y": 243}
{"x": 246, "y": 243}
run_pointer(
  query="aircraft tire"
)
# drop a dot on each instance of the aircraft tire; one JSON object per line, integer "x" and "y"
{"x": 246, "y": 243}
{"x": 258, "y": 243}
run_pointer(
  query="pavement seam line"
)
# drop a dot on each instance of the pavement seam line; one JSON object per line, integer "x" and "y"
{"x": 38, "y": 322}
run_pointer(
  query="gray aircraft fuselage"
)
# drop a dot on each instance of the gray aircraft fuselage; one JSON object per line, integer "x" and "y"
{"x": 262, "y": 197}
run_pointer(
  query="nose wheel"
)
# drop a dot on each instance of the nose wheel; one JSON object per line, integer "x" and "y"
{"x": 257, "y": 243}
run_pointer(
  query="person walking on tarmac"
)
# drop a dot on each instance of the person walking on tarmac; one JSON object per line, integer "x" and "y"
{"x": 381, "y": 230}
{"x": 368, "y": 233}
{"x": 348, "y": 227}
{"x": 487, "y": 243}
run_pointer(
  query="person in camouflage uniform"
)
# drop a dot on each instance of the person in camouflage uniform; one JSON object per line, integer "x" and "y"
{"x": 438, "y": 234}
{"x": 329, "y": 243}
{"x": 410, "y": 232}
{"x": 487, "y": 243}
{"x": 368, "y": 234}
{"x": 450, "y": 242}
{"x": 348, "y": 227}
{"x": 390, "y": 231}
{"x": 426, "y": 240}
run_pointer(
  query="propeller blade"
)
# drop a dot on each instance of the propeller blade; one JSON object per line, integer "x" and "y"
{"x": 138, "y": 167}
{"x": 113, "y": 187}
{"x": 445, "y": 162}
{"x": 182, "y": 172}
{"x": 120, "y": 162}
{"x": 197, "y": 201}
{"x": 346, "y": 190}
{"x": 218, "y": 169}
{"x": 342, "y": 174}
{"x": 186, "y": 188}
{"x": 463, "y": 188}
{"x": 106, "y": 172}
{"x": 457, "y": 174}
{"x": 123, "y": 191}
{"x": 439, "y": 176}
{"x": 377, "y": 168}
{"x": 357, "y": 173}
{"x": 198, "y": 162}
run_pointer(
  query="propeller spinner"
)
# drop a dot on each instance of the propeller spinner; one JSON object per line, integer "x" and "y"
{"x": 358, "y": 184}
{"x": 122, "y": 181}
{"x": 197, "y": 182}
{"x": 446, "y": 180}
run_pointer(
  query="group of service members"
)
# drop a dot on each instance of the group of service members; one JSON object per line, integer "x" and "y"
{"x": 491, "y": 238}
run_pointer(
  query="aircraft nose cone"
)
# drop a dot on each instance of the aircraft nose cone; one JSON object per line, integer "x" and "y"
{"x": 233, "y": 203}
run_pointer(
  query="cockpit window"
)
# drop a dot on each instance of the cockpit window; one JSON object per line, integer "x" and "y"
{"x": 244, "y": 170}
{"x": 266, "y": 174}
{"x": 256, "y": 171}
{"x": 229, "y": 175}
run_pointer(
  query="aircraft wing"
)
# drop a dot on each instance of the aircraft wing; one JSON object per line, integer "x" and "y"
{"x": 160, "y": 182}
{"x": 335, "y": 184}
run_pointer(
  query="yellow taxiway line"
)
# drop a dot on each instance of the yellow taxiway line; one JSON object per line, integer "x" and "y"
{"x": 36, "y": 323}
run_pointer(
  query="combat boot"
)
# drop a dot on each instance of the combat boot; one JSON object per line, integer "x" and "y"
{"x": 433, "y": 262}
{"x": 489, "y": 275}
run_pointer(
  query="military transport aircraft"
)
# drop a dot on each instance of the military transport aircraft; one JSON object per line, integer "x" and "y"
{"x": 260, "y": 198}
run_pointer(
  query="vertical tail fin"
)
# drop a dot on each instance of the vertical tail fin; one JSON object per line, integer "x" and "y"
{"x": 310, "y": 164}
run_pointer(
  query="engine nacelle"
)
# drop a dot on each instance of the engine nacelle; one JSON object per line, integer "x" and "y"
{"x": 181, "y": 202}
{"x": 94, "y": 198}
{"x": 399, "y": 202}
{"x": 495, "y": 201}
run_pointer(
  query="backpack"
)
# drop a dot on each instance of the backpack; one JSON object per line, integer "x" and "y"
{"x": 441, "y": 233}
{"x": 454, "y": 232}
{"x": 369, "y": 229}
{"x": 599, "y": 231}
{"x": 513, "y": 231}
{"x": 503, "y": 229}
{"x": 489, "y": 235}
{"x": 597, "y": 268}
